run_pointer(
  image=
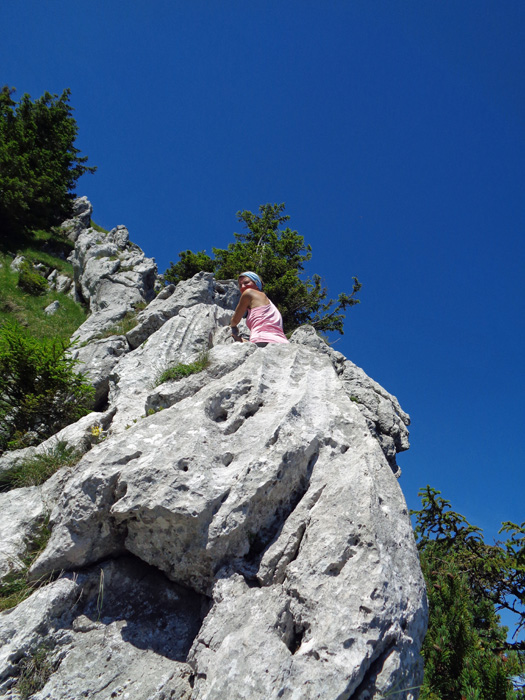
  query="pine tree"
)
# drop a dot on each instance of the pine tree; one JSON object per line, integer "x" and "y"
{"x": 277, "y": 254}
{"x": 466, "y": 653}
{"x": 39, "y": 164}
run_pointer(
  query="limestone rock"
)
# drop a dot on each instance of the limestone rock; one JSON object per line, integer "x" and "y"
{"x": 113, "y": 276}
{"x": 200, "y": 289}
{"x": 211, "y": 303}
{"x": 21, "y": 509}
{"x": 81, "y": 219}
{"x": 97, "y": 360}
{"x": 51, "y": 278}
{"x": 118, "y": 631}
{"x": 24, "y": 511}
{"x": 24, "y": 628}
{"x": 52, "y": 308}
{"x": 63, "y": 283}
{"x": 77, "y": 436}
{"x": 386, "y": 419}
{"x": 182, "y": 339}
{"x": 245, "y": 524}
{"x": 16, "y": 263}
{"x": 283, "y": 505}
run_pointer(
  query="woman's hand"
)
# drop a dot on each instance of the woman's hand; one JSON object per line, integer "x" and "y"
{"x": 236, "y": 335}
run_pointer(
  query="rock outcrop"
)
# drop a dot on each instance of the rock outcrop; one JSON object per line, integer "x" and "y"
{"x": 239, "y": 533}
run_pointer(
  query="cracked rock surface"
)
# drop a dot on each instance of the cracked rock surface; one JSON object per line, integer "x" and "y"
{"x": 244, "y": 526}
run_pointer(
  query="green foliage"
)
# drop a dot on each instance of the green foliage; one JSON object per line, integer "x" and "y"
{"x": 40, "y": 393}
{"x": 98, "y": 228}
{"x": 28, "y": 311}
{"x": 39, "y": 164}
{"x": 189, "y": 264}
{"x": 35, "y": 470}
{"x": 181, "y": 370}
{"x": 30, "y": 281}
{"x": 466, "y": 651}
{"x": 278, "y": 255}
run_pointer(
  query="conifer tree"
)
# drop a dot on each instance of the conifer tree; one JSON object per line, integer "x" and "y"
{"x": 277, "y": 254}
{"x": 466, "y": 652}
{"x": 39, "y": 163}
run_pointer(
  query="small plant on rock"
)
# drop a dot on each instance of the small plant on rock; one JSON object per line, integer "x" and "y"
{"x": 15, "y": 586}
{"x": 121, "y": 327}
{"x": 35, "y": 470}
{"x": 36, "y": 669}
{"x": 180, "y": 370}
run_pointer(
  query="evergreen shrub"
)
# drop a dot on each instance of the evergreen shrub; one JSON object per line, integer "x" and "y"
{"x": 30, "y": 281}
{"x": 40, "y": 392}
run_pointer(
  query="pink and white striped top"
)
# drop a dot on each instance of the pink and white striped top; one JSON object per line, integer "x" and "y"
{"x": 266, "y": 325}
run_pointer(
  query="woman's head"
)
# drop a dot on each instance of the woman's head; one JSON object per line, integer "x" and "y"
{"x": 245, "y": 278}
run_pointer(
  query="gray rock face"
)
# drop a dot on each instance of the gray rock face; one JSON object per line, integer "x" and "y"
{"x": 385, "y": 417}
{"x": 180, "y": 340}
{"x": 52, "y": 308}
{"x": 245, "y": 523}
{"x": 97, "y": 360}
{"x": 81, "y": 219}
{"x": 113, "y": 276}
{"x": 98, "y": 643}
{"x": 201, "y": 289}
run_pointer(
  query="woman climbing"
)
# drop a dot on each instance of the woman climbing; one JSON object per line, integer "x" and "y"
{"x": 264, "y": 319}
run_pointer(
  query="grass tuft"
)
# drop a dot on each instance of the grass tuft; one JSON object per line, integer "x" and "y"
{"x": 35, "y": 671}
{"x": 179, "y": 371}
{"x": 98, "y": 228}
{"x": 15, "y": 586}
{"x": 35, "y": 470}
{"x": 121, "y": 328}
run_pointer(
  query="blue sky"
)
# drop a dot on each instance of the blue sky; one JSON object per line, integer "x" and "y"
{"x": 394, "y": 131}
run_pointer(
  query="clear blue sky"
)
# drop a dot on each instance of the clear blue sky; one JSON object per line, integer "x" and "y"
{"x": 395, "y": 133}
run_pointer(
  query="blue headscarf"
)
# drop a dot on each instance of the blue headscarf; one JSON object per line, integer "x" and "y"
{"x": 253, "y": 276}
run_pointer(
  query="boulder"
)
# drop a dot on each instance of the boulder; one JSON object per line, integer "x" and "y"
{"x": 118, "y": 630}
{"x": 200, "y": 289}
{"x": 78, "y": 436}
{"x": 112, "y": 276}
{"x": 52, "y": 308}
{"x": 266, "y": 491}
{"x": 81, "y": 219}
{"x": 97, "y": 359}
{"x": 16, "y": 263}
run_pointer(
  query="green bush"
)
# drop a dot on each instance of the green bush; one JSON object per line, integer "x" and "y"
{"x": 40, "y": 392}
{"x": 30, "y": 281}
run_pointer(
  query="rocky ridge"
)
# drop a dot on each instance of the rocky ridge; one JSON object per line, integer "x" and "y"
{"x": 240, "y": 533}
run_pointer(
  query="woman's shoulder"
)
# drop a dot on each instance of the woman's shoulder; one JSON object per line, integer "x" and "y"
{"x": 256, "y": 296}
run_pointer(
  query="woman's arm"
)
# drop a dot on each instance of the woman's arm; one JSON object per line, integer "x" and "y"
{"x": 243, "y": 305}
